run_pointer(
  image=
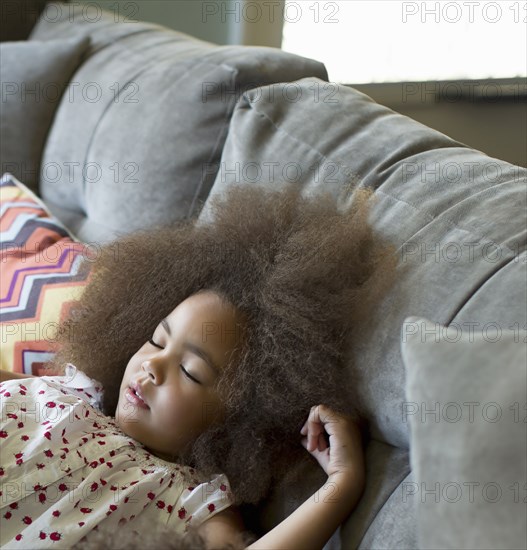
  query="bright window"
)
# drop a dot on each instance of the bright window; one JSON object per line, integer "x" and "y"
{"x": 392, "y": 41}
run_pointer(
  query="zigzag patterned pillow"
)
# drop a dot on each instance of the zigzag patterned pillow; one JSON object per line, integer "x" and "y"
{"x": 42, "y": 276}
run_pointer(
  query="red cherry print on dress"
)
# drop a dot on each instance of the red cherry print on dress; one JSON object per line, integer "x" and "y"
{"x": 27, "y": 520}
{"x": 56, "y": 513}
{"x": 170, "y": 508}
{"x": 151, "y": 495}
{"x": 47, "y": 435}
{"x": 211, "y": 507}
{"x": 182, "y": 512}
{"x": 8, "y": 515}
{"x": 42, "y": 535}
{"x": 42, "y": 498}
{"x": 81, "y": 523}
{"x": 3, "y": 434}
{"x": 24, "y": 438}
{"x": 18, "y": 537}
{"x": 160, "y": 504}
{"x": 7, "y": 394}
{"x": 12, "y": 415}
{"x": 51, "y": 404}
{"x": 48, "y": 453}
{"x": 20, "y": 425}
{"x": 86, "y": 510}
{"x": 55, "y": 536}
{"x": 223, "y": 487}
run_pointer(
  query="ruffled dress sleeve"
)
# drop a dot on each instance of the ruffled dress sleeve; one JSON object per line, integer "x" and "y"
{"x": 199, "y": 503}
{"x": 78, "y": 383}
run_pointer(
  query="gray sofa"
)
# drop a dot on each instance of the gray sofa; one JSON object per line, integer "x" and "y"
{"x": 178, "y": 120}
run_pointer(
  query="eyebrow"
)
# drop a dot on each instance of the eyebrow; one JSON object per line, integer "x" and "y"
{"x": 193, "y": 348}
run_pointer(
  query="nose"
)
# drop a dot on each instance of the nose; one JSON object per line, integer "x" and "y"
{"x": 154, "y": 369}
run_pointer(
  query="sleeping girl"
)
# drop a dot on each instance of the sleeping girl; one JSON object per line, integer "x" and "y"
{"x": 202, "y": 361}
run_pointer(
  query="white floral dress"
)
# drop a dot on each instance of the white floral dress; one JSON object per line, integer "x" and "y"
{"x": 66, "y": 468}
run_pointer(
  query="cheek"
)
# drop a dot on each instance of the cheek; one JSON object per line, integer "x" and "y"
{"x": 133, "y": 367}
{"x": 211, "y": 412}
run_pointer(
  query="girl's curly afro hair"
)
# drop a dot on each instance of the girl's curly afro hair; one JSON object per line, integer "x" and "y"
{"x": 305, "y": 274}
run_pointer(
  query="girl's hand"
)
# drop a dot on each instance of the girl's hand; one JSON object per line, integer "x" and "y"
{"x": 344, "y": 455}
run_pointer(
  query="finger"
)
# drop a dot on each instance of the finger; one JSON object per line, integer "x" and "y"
{"x": 313, "y": 442}
{"x": 322, "y": 445}
{"x": 314, "y": 424}
{"x": 329, "y": 419}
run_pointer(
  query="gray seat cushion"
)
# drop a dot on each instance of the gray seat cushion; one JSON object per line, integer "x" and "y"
{"x": 138, "y": 141}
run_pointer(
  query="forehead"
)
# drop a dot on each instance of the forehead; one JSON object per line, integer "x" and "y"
{"x": 205, "y": 317}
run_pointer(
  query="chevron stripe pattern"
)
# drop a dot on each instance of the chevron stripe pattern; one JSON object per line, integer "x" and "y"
{"x": 42, "y": 277}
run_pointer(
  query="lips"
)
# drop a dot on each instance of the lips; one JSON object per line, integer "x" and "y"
{"x": 137, "y": 390}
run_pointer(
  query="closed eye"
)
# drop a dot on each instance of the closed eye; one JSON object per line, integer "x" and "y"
{"x": 154, "y": 344}
{"x": 187, "y": 374}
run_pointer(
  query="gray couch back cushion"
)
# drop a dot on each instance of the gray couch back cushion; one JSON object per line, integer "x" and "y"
{"x": 458, "y": 219}
{"x": 457, "y": 216}
{"x": 34, "y": 76}
{"x": 137, "y": 140}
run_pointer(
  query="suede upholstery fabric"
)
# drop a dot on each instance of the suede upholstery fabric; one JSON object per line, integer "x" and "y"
{"x": 137, "y": 143}
{"x": 456, "y": 216}
{"x": 466, "y": 410}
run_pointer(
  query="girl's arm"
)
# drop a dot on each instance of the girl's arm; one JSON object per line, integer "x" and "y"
{"x": 8, "y": 375}
{"x": 311, "y": 525}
